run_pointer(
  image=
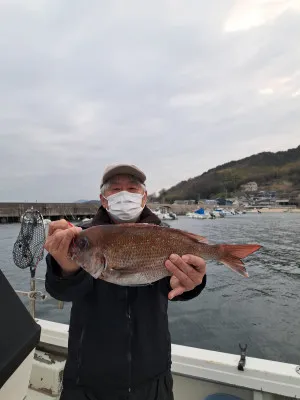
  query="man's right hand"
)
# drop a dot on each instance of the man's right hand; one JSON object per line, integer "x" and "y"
{"x": 60, "y": 235}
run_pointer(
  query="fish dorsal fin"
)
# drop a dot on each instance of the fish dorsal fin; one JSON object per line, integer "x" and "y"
{"x": 197, "y": 238}
{"x": 193, "y": 236}
{"x": 136, "y": 225}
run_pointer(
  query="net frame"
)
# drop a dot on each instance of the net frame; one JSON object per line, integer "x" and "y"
{"x": 28, "y": 250}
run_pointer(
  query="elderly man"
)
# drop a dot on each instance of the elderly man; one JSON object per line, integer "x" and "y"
{"x": 119, "y": 341}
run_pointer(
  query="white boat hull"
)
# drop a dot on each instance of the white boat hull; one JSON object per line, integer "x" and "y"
{"x": 196, "y": 372}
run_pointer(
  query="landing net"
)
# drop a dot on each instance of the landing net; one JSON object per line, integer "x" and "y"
{"x": 28, "y": 249}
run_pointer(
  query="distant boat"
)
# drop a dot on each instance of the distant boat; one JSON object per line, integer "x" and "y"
{"x": 198, "y": 214}
{"x": 211, "y": 214}
{"x": 163, "y": 213}
{"x": 225, "y": 212}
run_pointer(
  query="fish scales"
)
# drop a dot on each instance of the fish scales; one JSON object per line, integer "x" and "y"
{"x": 135, "y": 254}
{"x": 139, "y": 256}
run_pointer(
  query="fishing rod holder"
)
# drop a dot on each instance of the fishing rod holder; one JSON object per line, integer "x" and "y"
{"x": 242, "y": 361}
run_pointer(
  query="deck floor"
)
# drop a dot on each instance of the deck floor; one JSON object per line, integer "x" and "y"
{"x": 34, "y": 395}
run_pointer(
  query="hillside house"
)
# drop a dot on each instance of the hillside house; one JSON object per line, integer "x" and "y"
{"x": 249, "y": 187}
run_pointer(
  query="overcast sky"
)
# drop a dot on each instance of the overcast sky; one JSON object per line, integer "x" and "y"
{"x": 175, "y": 87}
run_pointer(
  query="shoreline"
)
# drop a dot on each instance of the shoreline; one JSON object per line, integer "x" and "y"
{"x": 274, "y": 210}
{"x": 182, "y": 209}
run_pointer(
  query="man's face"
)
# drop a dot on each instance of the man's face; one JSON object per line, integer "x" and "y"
{"x": 120, "y": 183}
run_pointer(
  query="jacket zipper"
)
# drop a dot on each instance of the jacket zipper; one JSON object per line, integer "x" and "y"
{"x": 129, "y": 340}
{"x": 79, "y": 357}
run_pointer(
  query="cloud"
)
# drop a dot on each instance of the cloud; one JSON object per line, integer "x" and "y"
{"x": 174, "y": 87}
{"x": 245, "y": 15}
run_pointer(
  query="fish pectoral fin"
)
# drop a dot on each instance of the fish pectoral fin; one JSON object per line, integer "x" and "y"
{"x": 114, "y": 271}
{"x": 110, "y": 272}
{"x": 104, "y": 263}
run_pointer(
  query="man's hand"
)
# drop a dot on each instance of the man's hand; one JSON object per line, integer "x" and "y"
{"x": 60, "y": 235}
{"x": 187, "y": 273}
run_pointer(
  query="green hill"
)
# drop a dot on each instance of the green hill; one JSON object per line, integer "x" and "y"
{"x": 271, "y": 171}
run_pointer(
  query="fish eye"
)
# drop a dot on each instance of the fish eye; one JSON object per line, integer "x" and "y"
{"x": 82, "y": 243}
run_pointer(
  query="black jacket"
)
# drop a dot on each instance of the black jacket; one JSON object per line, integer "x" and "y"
{"x": 119, "y": 336}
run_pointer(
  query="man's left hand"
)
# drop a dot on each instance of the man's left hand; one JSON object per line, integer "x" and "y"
{"x": 187, "y": 273}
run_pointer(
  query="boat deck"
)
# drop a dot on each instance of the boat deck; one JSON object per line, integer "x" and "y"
{"x": 34, "y": 395}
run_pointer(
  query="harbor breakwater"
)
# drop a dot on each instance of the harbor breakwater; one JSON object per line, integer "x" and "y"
{"x": 11, "y": 212}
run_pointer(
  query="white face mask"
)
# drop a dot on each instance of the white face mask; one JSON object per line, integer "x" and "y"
{"x": 125, "y": 206}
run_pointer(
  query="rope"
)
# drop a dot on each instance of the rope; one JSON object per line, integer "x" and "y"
{"x": 33, "y": 294}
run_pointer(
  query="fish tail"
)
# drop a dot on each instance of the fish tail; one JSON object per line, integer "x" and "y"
{"x": 232, "y": 255}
